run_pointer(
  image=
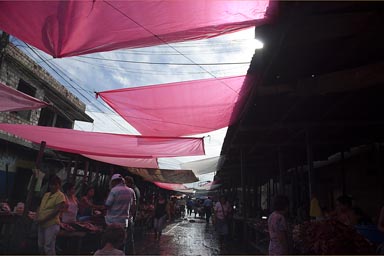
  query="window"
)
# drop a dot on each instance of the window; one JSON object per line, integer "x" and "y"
{"x": 29, "y": 90}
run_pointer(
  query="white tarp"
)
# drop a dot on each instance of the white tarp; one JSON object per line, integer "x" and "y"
{"x": 204, "y": 166}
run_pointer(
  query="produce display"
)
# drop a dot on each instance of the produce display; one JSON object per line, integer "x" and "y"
{"x": 329, "y": 237}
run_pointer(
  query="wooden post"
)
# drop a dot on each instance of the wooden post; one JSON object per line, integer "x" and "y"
{"x": 86, "y": 171}
{"x": 243, "y": 199}
{"x": 310, "y": 163}
{"x": 68, "y": 170}
{"x": 6, "y": 180}
{"x": 33, "y": 181}
{"x": 343, "y": 184}
{"x": 281, "y": 171}
{"x": 76, "y": 167}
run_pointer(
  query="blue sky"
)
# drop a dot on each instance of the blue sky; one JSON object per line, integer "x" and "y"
{"x": 84, "y": 75}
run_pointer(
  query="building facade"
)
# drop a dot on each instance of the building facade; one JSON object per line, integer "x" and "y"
{"x": 18, "y": 156}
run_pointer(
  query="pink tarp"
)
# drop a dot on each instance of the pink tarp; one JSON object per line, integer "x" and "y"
{"x": 107, "y": 144}
{"x": 14, "y": 100}
{"x": 172, "y": 186}
{"x": 127, "y": 161}
{"x": 72, "y": 27}
{"x": 181, "y": 108}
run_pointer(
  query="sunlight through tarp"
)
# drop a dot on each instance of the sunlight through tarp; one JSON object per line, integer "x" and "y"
{"x": 70, "y": 28}
{"x": 182, "y": 108}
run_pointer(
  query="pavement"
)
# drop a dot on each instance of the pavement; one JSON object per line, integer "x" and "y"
{"x": 188, "y": 236}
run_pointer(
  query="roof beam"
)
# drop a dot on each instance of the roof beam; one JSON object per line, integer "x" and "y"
{"x": 336, "y": 82}
{"x": 304, "y": 125}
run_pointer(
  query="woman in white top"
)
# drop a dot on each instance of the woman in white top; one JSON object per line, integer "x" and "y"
{"x": 70, "y": 214}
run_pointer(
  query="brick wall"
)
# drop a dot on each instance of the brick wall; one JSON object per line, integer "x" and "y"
{"x": 42, "y": 74}
{"x": 16, "y": 66}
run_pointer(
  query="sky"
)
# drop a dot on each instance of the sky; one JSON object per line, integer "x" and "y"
{"x": 87, "y": 74}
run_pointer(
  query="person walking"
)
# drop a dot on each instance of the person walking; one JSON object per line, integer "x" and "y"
{"x": 208, "y": 209}
{"x": 189, "y": 206}
{"x": 162, "y": 211}
{"x": 119, "y": 202}
{"x": 131, "y": 184}
{"x": 48, "y": 217}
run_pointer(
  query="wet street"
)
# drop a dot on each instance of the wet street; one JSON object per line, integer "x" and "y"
{"x": 189, "y": 236}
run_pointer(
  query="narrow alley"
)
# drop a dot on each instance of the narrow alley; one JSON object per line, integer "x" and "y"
{"x": 189, "y": 236}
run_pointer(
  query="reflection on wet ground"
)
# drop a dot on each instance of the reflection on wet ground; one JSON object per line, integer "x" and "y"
{"x": 187, "y": 237}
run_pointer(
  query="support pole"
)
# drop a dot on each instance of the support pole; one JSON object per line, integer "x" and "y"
{"x": 86, "y": 172}
{"x": 242, "y": 172}
{"x": 342, "y": 160}
{"x": 75, "y": 169}
{"x": 309, "y": 163}
{"x": 281, "y": 171}
{"x": 6, "y": 180}
{"x": 33, "y": 181}
{"x": 68, "y": 170}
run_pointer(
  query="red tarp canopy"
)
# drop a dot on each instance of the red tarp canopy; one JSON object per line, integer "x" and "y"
{"x": 181, "y": 108}
{"x": 14, "y": 100}
{"x": 172, "y": 186}
{"x": 70, "y": 28}
{"x": 107, "y": 144}
{"x": 127, "y": 161}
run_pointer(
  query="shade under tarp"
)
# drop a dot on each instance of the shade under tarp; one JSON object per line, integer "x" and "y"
{"x": 14, "y": 100}
{"x": 203, "y": 166}
{"x": 174, "y": 187}
{"x": 164, "y": 175}
{"x": 107, "y": 144}
{"x": 181, "y": 108}
{"x": 126, "y": 161}
{"x": 73, "y": 27}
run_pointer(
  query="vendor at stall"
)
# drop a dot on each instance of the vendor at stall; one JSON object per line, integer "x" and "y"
{"x": 344, "y": 212}
{"x": 86, "y": 205}
{"x": 69, "y": 215}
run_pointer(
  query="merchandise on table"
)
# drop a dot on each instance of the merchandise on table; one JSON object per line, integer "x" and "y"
{"x": 329, "y": 237}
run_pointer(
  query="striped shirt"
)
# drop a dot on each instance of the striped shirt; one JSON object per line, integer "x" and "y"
{"x": 119, "y": 201}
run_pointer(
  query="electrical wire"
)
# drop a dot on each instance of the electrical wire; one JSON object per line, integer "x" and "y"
{"x": 150, "y": 72}
{"x": 124, "y": 116}
{"x": 168, "y": 63}
{"x": 86, "y": 98}
{"x": 156, "y": 36}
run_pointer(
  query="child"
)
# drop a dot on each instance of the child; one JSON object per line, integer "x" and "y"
{"x": 113, "y": 238}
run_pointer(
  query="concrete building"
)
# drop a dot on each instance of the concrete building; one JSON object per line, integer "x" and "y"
{"x": 17, "y": 156}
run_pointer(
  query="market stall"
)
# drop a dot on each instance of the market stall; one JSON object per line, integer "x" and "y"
{"x": 329, "y": 237}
